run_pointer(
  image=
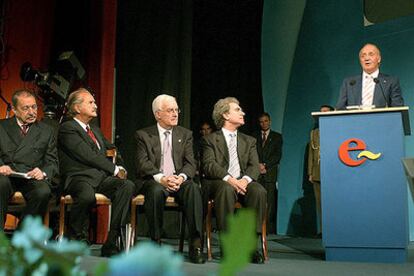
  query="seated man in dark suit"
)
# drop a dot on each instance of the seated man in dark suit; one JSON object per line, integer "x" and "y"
{"x": 86, "y": 170}
{"x": 371, "y": 87}
{"x": 165, "y": 163}
{"x": 231, "y": 167}
{"x": 26, "y": 146}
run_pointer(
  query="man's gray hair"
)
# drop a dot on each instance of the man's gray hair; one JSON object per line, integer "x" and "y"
{"x": 221, "y": 107}
{"x": 159, "y": 100}
{"x": 19, "y": 93}
{"x": 74, "y": 99}
{"x": 371, "y": 44}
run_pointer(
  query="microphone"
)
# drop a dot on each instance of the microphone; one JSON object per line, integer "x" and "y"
{"x": 352, "y": 82}
{"x": 377, "y": 81}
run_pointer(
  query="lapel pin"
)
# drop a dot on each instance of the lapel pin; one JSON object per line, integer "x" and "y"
{"x": 179, "y": 140}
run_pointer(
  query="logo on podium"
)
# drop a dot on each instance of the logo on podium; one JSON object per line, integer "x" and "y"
{"x": 353, "y": 145}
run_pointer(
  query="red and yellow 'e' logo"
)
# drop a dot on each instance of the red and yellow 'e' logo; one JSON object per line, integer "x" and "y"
{"x": 354, "y": 144}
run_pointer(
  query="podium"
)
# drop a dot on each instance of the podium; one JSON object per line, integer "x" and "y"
{"x": 363, "y": 185}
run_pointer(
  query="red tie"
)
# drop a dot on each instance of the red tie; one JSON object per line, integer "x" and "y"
{"x": 25, "y": 129}
{"x": 90, "y": 133}
{"x": 264, "y": 139}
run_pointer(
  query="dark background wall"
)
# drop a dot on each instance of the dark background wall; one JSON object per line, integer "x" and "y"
{"x": 198, "y": 51}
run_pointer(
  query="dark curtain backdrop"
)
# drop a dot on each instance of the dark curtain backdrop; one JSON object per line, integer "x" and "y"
{"x": 153, "y": 57}
{"x": 89, "y": 29}
{"x": 226, "y": 57}
{"x": 198, "y": 51}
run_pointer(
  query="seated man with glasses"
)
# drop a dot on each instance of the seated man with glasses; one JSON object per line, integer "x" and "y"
{"x": 27, "y": 147}
{"x": 165, "y": 164}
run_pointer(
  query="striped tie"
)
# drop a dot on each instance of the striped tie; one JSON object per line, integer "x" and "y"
{"x": 234, "y": 167}
{"x": 368, "y": 91}
{"x": 24, "y": 129}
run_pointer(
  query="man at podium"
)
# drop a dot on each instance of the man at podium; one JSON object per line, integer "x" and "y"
{"x": 372, "y": 88}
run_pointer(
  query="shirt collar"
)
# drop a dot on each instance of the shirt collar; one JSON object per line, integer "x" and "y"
{"x": 266, "y": 131}
{"x": 162, "y": 130}
{"x": 82, "y": 124}
{"x": 226, "y": 132}
{"x": 373, "y": 75}
{"x": 20, "y": 124}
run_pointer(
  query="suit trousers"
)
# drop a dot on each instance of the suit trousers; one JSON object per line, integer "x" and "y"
{"x": 35, "y": 192}
{"x": 120, "y": 192}
{"x": 189, "y": 199}
{"x": 225, "y": 197}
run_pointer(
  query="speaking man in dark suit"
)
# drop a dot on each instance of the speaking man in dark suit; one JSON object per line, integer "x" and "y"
{"x": 371, "y": 87}
{"x": 26, "y": 146}
{"x": 269, "y": 149}
{"x": 165, "y": 163}
{"x": 231, "y": 167}
{"x": 86, "y": 170}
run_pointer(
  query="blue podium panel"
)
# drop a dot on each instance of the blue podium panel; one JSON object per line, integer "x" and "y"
{"x": 364, "y": 191}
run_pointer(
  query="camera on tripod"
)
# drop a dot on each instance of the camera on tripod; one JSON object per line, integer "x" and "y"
{"x": 56, "y": 83}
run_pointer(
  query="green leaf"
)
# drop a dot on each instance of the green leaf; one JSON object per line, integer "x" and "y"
{"x": 239, "y": 242}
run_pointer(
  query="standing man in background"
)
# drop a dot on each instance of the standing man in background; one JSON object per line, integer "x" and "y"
{"x": 269, "y": 148}
{"x": 314, "y": 168}
{"x": 26, "y": 146}
{"x": 371, "y": 87}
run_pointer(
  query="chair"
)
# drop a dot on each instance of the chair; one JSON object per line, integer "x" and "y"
{"x": 237, "y": 205}
{"x": 101, "y": 200}
{"x": 17, "y": 199}
{"x": 139, "y": 200}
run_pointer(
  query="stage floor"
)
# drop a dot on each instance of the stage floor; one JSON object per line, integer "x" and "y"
{"x": 288, "y": 256}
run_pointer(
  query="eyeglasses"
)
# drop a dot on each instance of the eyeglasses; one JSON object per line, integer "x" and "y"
{"x": 27, "y": 107}
{"x": 172, "y": 110}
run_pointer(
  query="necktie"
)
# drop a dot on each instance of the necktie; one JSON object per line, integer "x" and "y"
{"x": 264, "y": 137}
{"x": 234, "y": 167}
{"x": 25, "y": 129}
{"x": 368, "y": 91}
{"x": 90, "y": 134}
{"x": 167, "y": 160}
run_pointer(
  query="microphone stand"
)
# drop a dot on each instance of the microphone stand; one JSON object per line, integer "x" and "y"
{"x": 8, "y": 105}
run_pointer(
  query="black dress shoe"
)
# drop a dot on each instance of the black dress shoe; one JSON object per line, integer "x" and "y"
{"x": 196, "y": 255}
{"x": 257, "y": 257}
{"x": 109, "y": 249}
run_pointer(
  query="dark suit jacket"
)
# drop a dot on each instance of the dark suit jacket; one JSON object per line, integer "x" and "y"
{"x": 215, "y": 155}
{"x": 37, "y": 149}
{"x": 79, "y": 155}
{"x": 148, "y": 152}
{"x": 351, "y": 92}
{"x": 270, "y": 154}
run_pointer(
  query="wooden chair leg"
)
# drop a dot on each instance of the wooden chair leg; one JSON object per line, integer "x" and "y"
{"x": 182, "y": 236}
{"x": 264, "y": 239}
{"x": 133, "y": 223}
{"x": 62, "y": 210}
{"x": 46, "y": 217}
{"x": 208, "y": 230}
